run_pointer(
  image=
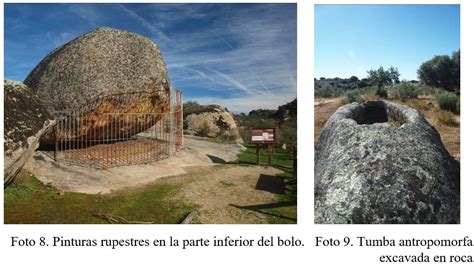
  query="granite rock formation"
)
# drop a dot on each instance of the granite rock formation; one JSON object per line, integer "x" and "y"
{"x": 25, "y": 120}
{"x": 380, "y": 162}
{"x": 103, "y": 71}
{"x": 217, "y": 123}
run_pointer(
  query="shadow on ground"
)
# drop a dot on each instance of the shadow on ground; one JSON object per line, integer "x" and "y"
{"x": 276, "y": 185}
{"x": 215, "y": 159}
{"x": 271, "y": 184}
{"x": 262, "y": 207}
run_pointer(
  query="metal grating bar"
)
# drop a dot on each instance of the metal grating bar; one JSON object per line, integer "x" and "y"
{"x": 90, "y": 137}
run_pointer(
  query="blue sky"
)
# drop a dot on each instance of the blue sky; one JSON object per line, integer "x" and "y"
{"x": 351, "y": 39}
{"x": 241, "y": 56}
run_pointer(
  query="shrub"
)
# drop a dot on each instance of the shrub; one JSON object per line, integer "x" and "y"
{"x": 403, "y": 91}
{"x": 369, "y": 95}
{"x": 326, "y": 91}
{"x": 192, "y": 107}
{"x": 287, "y": 133}
{"x": 448, "y": 101}
{"x": 353, "y": 96}
{"x": 425, "y": 89}
{"x": 204, "y": 130}
{"x": 381, "y": 92}
{"x": 362, "y": 84}
{"x": 447, "y": 118}
{"x": 185, "y": 124}
{"x": 407, "y": 91}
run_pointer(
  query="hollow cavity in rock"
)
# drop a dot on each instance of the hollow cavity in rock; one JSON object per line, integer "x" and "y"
{"x": 374, "y": 112}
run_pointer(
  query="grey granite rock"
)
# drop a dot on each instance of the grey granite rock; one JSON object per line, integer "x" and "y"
{"x": 218, "y": 123}
{"x": 25, "y": 120}
{"x": 102, "y": 62}
{"x": 100, "y": 72}
{"x": 379, "y": 162}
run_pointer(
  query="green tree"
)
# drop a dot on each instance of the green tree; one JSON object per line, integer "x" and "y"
{"x": 442, "y": 71}
{"x": 381, "y": 77}
{"x": 353, "y": 79}
{"x": 362, "y": 84}
{"x": 394, "y": 75}
{"x": 456, "y": 58}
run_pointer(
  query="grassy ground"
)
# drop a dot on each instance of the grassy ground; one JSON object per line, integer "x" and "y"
{"x": 219, "y": 194}
{"x": 280, "y": 158}
{"x": 284, "y": 209}
{"x": 27, "y": 200}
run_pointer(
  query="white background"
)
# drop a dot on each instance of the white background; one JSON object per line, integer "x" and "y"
{"x": 307, "y": 256}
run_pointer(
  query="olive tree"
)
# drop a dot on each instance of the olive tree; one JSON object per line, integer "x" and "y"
{"x": 442, "y": 71}
{"x": 381, "y": 77}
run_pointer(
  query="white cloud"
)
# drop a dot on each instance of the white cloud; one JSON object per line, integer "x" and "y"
{"x": 221, "y": 38}
{"x": 87, "y": 13}
{"x": 246, "y": 103}
{"x": 258, "y": 62}
{"x": 58, "y": 39}
{"x": 242, "y": 52}
{"x": 146, "y": 24}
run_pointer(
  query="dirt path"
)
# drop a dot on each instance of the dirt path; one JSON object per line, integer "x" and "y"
{"x": 323, "y": 109}
{"x": 321, "y": 101}
{"x": 222, "y": 191}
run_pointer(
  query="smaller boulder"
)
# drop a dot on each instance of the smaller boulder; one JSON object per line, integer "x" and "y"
{"x": 26, "y": 119}
{"x": 216, "y": 123}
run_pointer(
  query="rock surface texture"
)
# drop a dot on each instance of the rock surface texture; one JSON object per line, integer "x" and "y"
{"x": 213, "y": 124}
{"x": 379, "y": 162}
{"x": 26, "y": 119}
{"x": 103, "y": 71}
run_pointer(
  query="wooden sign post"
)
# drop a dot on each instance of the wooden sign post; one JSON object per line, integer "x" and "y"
{"x": 258, "y": 153}
{"x": 263, "y": 136}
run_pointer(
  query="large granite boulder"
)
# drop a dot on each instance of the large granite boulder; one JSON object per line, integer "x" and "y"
{"x": 213, "y": 122}
{"x": 25, "y": 120}
{"x": 379, "y": 162}
{"x": 101, "y": 72}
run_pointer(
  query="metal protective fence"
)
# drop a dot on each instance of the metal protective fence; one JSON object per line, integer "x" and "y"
{"x": 121, "y": 129}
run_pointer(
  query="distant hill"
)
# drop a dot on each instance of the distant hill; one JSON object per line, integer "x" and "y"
{"x": 332, "y": 87}
{"x": 280, "y": 115}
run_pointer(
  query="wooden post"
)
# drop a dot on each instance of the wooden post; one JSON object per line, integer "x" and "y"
{"x": 295, "y": 166}
{"x": 258, "y": 154}
{"x": 269, "y": 154}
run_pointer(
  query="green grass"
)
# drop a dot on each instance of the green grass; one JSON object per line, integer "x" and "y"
{"x": 280, "y": 158}
{"x": 283, "y": 160}
{"x": 286, "y": 214}
{"x": 218, "y": 140}
{"x": 27, "y": 200}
